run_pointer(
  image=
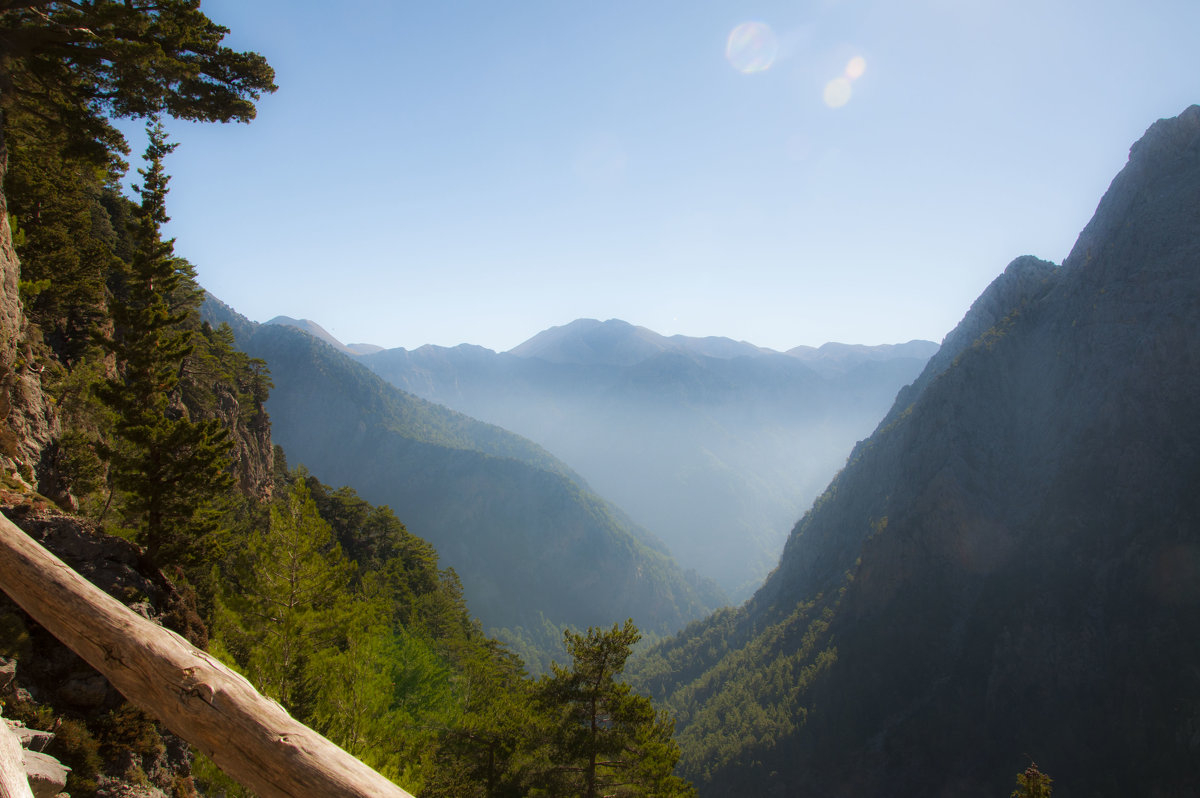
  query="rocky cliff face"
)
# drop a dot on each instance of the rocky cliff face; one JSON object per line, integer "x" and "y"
{"x": 27, "y": 420}
{"x": 1011, "y": 563}
{"x": 253, "y": 452}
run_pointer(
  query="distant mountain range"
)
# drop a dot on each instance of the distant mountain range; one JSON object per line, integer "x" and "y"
{"x": 714, "y": 445}
{"x": 535, "y": 549}
{"x": 617, "y": 343}
{"x": 1009, "y": 567}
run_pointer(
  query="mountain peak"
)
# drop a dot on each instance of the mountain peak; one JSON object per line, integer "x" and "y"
{"x": 1024, "y": 280}
{"x": 1157, "y": 182}
{"x": 836, "y": 357}
{"x": 591, "y": 342}
{"x": 312, "y": 328}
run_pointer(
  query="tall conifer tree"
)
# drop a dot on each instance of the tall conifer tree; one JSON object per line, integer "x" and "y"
{"x": 168, "y": 465}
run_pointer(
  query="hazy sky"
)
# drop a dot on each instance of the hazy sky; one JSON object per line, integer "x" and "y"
{"x": 850, "y": 170}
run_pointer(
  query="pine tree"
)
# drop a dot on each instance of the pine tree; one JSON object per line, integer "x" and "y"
{"x": 75, "y": 64}
{"x": 66, "y": 237}
{"x": 283, "y": 601}
{"x": 169, "y": 466}
{"x": 606, "y": 739}
{"x": 482, "y": 753}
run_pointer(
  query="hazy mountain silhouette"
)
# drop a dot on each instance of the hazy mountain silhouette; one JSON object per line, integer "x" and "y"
{"x": 1010, "y": 566}
{"x": 589, "y": 342}
{"x": 534, "y": 547}
{"x": 317, "y": 331}
{"x": 713, "y": 444}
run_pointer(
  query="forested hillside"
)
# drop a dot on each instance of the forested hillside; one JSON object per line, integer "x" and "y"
{"x": 135, "y": 444}
{"x": 536, "y": 550}
{"x": 1008, "y": 568}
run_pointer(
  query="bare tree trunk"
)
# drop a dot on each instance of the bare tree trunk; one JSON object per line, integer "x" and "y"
{"x": 249, "y": 736}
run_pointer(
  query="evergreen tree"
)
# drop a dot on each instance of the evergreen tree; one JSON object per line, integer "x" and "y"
{"x": 485, "y": 752}
{"x": 283, "y": 602}
{"x": 354, "y": 693}
{"x": 384, "y": 659}
{"x": 1032, "y": 783}
{"x": 76, "y": 63}
{"x": 605, "y": 739}
{"x": 169, "y": 466}
{"x": 65, "y": 235}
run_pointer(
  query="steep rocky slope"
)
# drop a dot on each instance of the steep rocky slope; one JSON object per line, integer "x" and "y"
{"x": 1010, "y": 566}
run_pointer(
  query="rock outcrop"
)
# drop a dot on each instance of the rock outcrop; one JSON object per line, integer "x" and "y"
{"x": 252, "y": 452}
{"x": 27, "y": 420}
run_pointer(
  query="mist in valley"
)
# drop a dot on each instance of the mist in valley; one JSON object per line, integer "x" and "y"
{"x": 715, "y": 446}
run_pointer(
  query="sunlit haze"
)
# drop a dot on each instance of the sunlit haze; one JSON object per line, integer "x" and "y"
{"x": 779, "y": 172}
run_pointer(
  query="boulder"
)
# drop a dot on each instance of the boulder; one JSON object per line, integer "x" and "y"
{"x": 31, "y": 739}
{"x": 47, "y": 776}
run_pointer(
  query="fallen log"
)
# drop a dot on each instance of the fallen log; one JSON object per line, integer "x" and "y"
{"x": 249, "y": 736}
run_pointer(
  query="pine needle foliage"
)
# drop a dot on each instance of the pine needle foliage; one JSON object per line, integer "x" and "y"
{"x": 167, "y": 465}
{"x": 604, "y": 739}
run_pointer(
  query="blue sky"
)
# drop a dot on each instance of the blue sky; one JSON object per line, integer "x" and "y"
{"x": 450, "y": 172}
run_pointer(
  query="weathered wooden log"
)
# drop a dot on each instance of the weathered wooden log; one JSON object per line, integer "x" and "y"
{"x": 13, "y": 783}
{"x": 249, "y": 736}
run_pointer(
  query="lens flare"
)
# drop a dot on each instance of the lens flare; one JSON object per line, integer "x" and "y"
{"x": 837, "y": 92}
{"x": 856, "y": 67}
{"x": 751, "y": 47}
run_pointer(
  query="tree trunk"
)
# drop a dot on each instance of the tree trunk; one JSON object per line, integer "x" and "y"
{"x": 249, "y": 736}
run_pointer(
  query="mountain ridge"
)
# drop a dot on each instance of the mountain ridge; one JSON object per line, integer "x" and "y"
{"x": 1009, "y": 566}
{"x": 652, "y": 343}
